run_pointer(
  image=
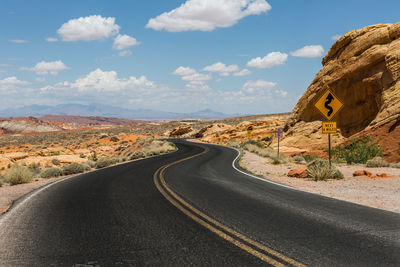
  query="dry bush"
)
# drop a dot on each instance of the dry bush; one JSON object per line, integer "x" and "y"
{"x": 51, "y": 172}
{"x": 18, "y": 175}
{"x": 321, "y": 170}
{"x": 55, "y": 162}
{"x": 73, "y": 168}
{"x": 377, "y": 162}
{"x": 137, "y": 155}
{"x": 105, "y": 162}
{"x": 157, "y": 147}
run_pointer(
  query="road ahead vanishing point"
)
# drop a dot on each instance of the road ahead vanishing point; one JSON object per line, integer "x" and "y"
{"x": 191, "y": 207}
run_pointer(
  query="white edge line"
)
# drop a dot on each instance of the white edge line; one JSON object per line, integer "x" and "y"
{"x": 248, "y": 174}
{"x": 31, "y": 194}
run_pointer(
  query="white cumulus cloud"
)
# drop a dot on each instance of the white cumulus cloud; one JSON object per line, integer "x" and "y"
{"x": 241, "y": 73}
{"x": 309, "y": 51}
{"x": 269, "y": 61}
{"x": 43, "y": 67}
{"x": 89, "y": 28}
{"x": 125, "y": 53}
{"x": 19, "y": 41}
{"x": 10, "y": 84}
{"x": 206, "y": 15}
{"x": 184, "y": 71}
{"x": 51, "y": 39}
{"x": 124, "y": 41}
{"x": 221, "y": 68}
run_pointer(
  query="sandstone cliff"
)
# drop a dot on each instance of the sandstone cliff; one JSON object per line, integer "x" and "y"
{"x": 363, "y": 70}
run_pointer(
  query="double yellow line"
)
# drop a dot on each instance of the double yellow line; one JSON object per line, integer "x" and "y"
{"x": 261, "y": 251}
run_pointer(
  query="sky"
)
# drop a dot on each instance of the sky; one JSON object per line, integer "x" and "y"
{"x": 232, "y": 56}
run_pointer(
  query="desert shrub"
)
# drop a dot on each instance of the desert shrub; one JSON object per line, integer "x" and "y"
{"x": 395, "y": 165}
{"x": 114, "y": 139}
{"x": 91, "y": 164}
{"x": 1, "y": 180}
{"x": 252, "y": 142}
{"x": 137, "y": 155}
{"x": 86, "y": 167}
{"x": 53, "y": 153}
{"x": 267, "y": 139}
{"x": 104, "y": 162}
{"x": 377, "y": 162}
{"x": 18, "y": 175}
{"x": 320, "y": 170}
{"x": 51, "y": 172}
{"x": 267, "y": 152}
{"x": 82, "y": 156}
{"x": 55, "y": 162}
{"x": 358, "y": 150}
{"x": 93, "y": 157}
{"x": 310, "y": 158}
{"x": 34, "y": 165}
{"x": 157, "y": 147}
{"x": 298, "y": 158}
{"x": 73, "y": 168}
{"x": 233, "y": 144}
{"x": 277, "y": 160}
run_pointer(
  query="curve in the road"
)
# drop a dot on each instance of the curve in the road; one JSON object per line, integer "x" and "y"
{"x": 249, "y": 245}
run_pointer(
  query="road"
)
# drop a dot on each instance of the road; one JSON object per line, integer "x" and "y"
{"x": 191, "y": 207}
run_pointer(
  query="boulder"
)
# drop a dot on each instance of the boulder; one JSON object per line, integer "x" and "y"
{"x": 181, "y": 130}
{"x": 298, "y": 172}
{"x": 362, "y": 173}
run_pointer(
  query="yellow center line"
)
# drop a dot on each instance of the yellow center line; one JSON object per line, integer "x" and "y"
{"x": 189, "y": 210}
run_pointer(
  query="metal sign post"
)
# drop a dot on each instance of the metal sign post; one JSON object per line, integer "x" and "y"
{"x": 328, "y": 128}
{"x": 279, "y": 135}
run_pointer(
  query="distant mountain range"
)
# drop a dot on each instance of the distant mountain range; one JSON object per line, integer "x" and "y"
{"x": 108, "y": 111}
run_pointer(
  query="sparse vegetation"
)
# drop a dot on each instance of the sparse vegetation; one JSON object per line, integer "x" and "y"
{"x": 18, "y": 175}
{"x": 320, "y": 170}
{"x": 51, "y": 172}
{"x": 233, "y": 144}
{"x": 377, "y": 162}
{"x": 358, "y": 150}
{"x": 298, "y": 158}
{"x": 104, "y": 162}
{"x": 73, "y": 168}
{"x": 395, "y": 165}
{"x": 137, "y": 155}
{"x": 55, "y": 162}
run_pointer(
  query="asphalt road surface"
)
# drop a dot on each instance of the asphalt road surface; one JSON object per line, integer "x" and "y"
{"x": 191, "y": 207}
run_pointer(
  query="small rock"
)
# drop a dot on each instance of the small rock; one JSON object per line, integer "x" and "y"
{"x": 382, "y": 175}
{"x": 362, "y": 173}
{"x": 298, "y": 172}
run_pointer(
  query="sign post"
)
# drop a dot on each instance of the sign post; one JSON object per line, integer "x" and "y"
{"x": 329, "y": 105}
{"x": 279, "y": 135}
{"x": 249, "y": 129}
{"x": 328, "y": 128}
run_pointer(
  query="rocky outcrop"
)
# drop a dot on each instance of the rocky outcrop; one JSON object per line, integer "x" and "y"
{"x": 363, "y": 70}
{"x": 181, "y": 130}
{"x": 25, "y": 125}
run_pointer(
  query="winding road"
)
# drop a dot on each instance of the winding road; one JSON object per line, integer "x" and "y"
{"x": 192, "y": 207}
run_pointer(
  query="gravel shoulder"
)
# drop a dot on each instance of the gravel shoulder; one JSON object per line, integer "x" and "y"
{"x": 8, "y": 194}
{"x": 382, "y": 193}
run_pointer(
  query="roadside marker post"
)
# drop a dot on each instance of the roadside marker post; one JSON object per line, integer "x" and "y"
{"x": 328, "y": 104}
{"x": 279, "y": 135}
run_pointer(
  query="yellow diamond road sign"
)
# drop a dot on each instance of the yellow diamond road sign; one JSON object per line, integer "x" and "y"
{"x": 249, "y": 128}
{"x": 328, "y": 104}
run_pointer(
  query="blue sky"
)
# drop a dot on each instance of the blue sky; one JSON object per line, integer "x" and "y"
{"x": 234, "y": 56}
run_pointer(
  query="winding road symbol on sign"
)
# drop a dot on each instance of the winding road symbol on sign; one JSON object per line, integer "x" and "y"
{"x": 328, "y": 104}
